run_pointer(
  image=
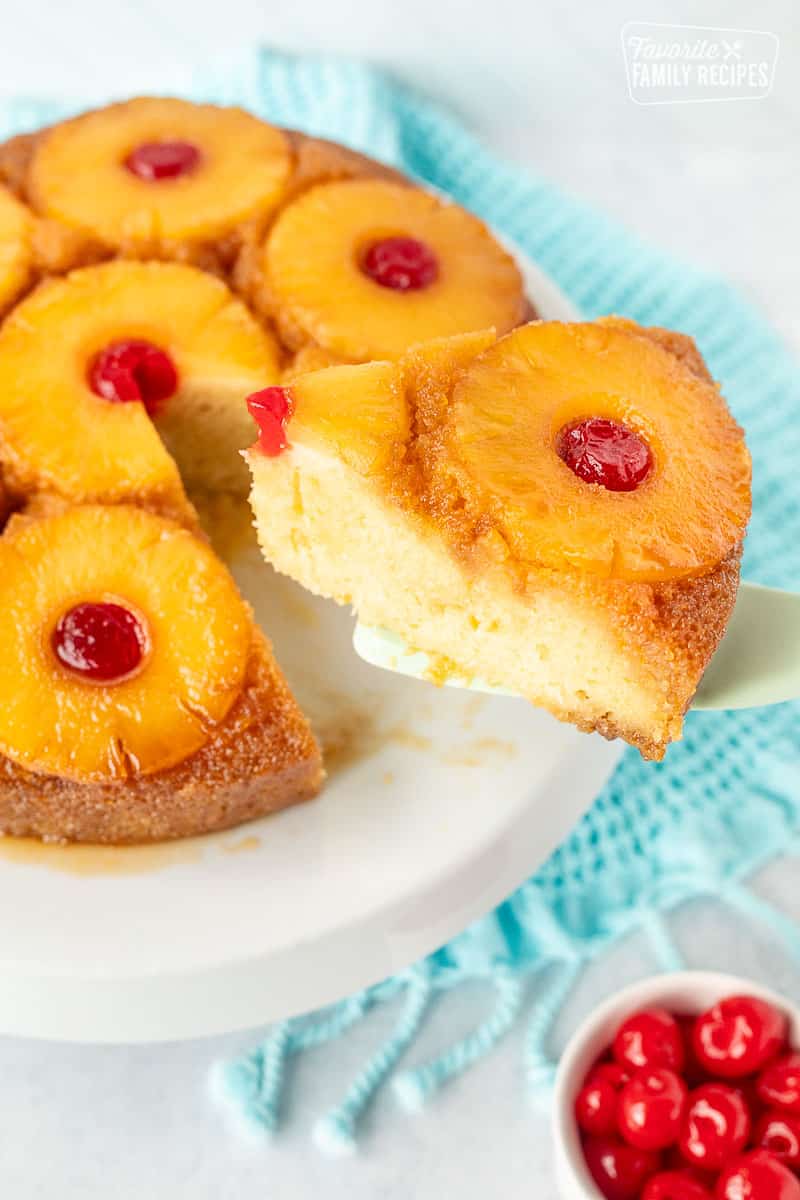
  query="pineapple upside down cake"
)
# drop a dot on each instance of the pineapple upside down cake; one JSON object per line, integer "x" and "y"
{"x": 159, "y": 261}
{"x": 558, "y": 512}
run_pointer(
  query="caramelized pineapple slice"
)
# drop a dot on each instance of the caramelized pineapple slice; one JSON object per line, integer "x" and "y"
{"x": 367, "y": 268}
{"x": 364, "y": 413}
{"x": 16, "y": 230}
{"x": 474, "y": 430}
{"x": 59, "y": 434}
{"x": 508, "y": 415}
{"x": 359, "y": 412}
{"x": 64, "y": 709}
{"x": 150, "y": 172}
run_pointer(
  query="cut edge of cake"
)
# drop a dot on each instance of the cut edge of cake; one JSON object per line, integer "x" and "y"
{"x": 321, "y": 524}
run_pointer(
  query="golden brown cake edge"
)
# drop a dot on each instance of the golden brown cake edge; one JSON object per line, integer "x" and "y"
{"x": 261, "y": 759}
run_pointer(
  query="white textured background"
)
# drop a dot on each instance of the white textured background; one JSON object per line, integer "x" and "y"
{"x": 719, "y": 184}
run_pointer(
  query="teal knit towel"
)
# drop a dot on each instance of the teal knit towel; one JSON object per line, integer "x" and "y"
{"x": 727, "y": 797}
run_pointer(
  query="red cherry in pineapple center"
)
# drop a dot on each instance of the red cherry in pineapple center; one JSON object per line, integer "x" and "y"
{"x": 401, "y": 263}
{"x": 134, "y": 370}
{"x": 271, "y": 409}
{"x": 154, "y": 161}
{"x": 601, "y": 451}
{"x": 100, "y": 641}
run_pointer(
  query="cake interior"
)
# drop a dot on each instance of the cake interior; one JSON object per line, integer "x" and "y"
{"x": 559, "y": 646}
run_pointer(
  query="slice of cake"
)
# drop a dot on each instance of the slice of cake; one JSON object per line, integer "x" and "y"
{"x": 559, "y": 512}
{"x": 123, "y": 382}
{"x": 141, "y": 702}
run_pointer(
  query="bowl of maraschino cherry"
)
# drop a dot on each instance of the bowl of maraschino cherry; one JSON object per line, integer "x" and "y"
{"x": 682, "y": 1087}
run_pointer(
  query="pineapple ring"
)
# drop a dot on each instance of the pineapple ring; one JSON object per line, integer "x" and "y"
{"x": 244, "y": 168}
{"x": 57, "y": 434}
{"x": 16, "y": 225}
{"x": 311, "y": 261}
{"x": 686, "y": 516}
{"x": 55, "y": 722}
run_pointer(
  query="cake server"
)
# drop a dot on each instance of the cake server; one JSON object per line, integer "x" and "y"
{"x": 757, "y": 662}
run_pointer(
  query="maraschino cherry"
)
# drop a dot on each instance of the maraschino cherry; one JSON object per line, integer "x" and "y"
{"x": 134, "y": 369}
{"x": 779, "y": 1084}
{"x": 271, "y": 408}
{"x": 779, "y": 1132}
{"x": 155, "y": 161}
{"x": 734, "y": 1136}
{"x": 757, "y": 1176}
{"x": 650, "y": 1038}
{"x": 738, "y": 1036}
{"x": 601, "y": 451}
{"x": 651, "y": 1108}
{"x": 101, "y": 641}
{"x": 716, "y": 1126}
{"x": 619, "y": 1170}
{"x": 401, "y": 263}
{"x": 675, "y": 1185}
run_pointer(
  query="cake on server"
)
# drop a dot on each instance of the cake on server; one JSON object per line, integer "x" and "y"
{"x": 559, "y": 512}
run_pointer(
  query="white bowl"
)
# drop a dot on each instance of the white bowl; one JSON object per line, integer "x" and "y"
{"x": 681, "y": 992}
